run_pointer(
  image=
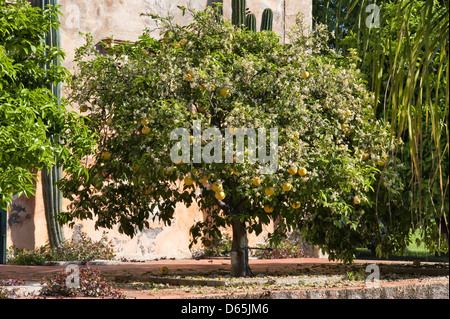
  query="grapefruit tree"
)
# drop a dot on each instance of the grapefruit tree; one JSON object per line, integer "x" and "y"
{"x": 331, "y": 154}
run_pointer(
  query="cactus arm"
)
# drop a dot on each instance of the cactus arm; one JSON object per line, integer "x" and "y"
{"x": 267, "y": 20}
{"x": 250, "y": 22}
{"x": 238, "y": 12}
{"x": 51, "y": 194}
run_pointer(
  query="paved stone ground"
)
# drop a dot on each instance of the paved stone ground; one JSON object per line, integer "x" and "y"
{"x": 410, "y": 282}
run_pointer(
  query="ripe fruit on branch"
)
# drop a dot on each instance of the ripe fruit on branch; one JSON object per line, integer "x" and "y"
{"x": 287, "y": 187}
{"x": 256, "y": 181}
{"x": 188, "y": 180}
{"x": 145, "y": 121}
{"x": 217, "y": 187}
{"x": 302, "y": 171}
{"x": 106, "y": 155}
{"x": 145, "y": 130}
{"x": 189, "y": 76}
{"x": 203, "y": 179}
{"x": 207, "y": 243}
{"x": 224, "y": 92}
{"x": 305, "y": 74}
{"x": 295, "y": 205}
{"x": 268, "y": 209}
{"x": 269, "y": 191}
{"x": 220, "y": 195}
{"x": 356, "y": 200}
{"x": 292, "y": 170}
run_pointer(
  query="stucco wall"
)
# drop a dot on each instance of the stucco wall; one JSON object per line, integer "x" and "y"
{"x": 122, "y": 19}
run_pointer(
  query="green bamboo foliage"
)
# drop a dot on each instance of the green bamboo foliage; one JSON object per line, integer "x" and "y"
{"x": 51, "y": 194}
{"x": 406, "y": 61}
{"x": 267, "y": 20}
{"x": 250, "y": 22}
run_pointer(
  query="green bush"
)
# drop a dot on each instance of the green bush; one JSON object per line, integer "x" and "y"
{"x": 220, "y": 248}
{"x": 84, "y": 249}
{"x": 285, "y": 249}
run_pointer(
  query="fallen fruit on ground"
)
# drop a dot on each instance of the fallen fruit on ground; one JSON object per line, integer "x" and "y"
{"x": 164, "y": 270}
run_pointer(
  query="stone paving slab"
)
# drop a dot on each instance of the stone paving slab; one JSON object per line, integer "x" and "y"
{"x": 308, "y": 266}
{"x": 316, "y": 267}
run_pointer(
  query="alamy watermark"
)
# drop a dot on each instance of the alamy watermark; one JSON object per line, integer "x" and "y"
{"x": 373, "y": 19}
{"x": 373, "y": 279}
{"x": 210, "y": 146}
{"x": 73, "y": 276}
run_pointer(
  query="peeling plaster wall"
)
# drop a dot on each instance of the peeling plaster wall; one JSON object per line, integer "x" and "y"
{"x": 122, "y": 19}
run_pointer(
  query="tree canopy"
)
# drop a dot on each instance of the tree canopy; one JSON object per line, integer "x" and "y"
{"x": 332, "y": 155}
{"x": 29, "y": 113}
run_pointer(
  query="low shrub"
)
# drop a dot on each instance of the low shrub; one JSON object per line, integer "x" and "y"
{"x": 285, "y": 249}
{"x": 220, "y": 248}
{"x": 9, "y": 293}
{"x": 90, "y": 284}
{"x": 25, "y": 257}
{"x": 84, "y": 249}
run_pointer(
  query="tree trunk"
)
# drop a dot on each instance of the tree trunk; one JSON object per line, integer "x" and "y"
{"x": 239, "y": 249}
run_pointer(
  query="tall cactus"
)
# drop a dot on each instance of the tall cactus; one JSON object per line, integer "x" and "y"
{"x": 267, "y": 20}
{"x": 52, "y": 195}
{"x": 52, "y": 204}
{"x": 239, "y": 17}
{"x": 250, "y": 22}
{"x": 238, "y": 12}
